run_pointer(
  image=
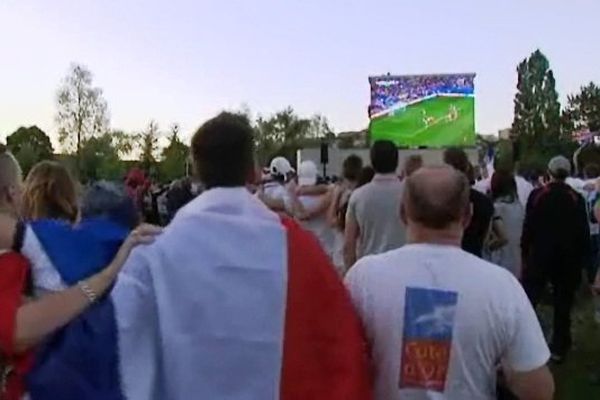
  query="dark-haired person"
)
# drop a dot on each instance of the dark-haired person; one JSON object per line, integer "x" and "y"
{"x": 366, "y": 176}
{"x": 372, "y": 219}
{"x": 441, "y": 321}
{"x": 556, "y": 247}
{"x": 231, "y": 301}
{"x": 336, "y": 215}
{"x": 591, "y": 172}
{"x": 508, "y": 219}
{"x": 483, "y": 208}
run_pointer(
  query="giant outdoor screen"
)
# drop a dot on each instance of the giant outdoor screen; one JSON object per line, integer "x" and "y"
{"x": 423, "y": 110}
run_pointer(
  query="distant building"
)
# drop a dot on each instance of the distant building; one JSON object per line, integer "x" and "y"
{"x": 352, "y": 139}
{"x": 505, "y": 134}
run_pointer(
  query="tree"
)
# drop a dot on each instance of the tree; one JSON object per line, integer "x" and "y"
{"x": 30, "y": 146}
{"x": 99, "y": 159}
{"x": 280, "y": 134}
{"x": 82, "y": 111}
{"x": 319, "y": 128}
{"x": 583, "y": 110}
{"x": 149, "y": 145}
{"x": 537, "y": 110}
{"x": 174, "y": 157}
{"x": 124, "y": 143}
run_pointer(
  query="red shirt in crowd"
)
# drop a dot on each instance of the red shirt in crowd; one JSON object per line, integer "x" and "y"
{"x": 13, "y": 367}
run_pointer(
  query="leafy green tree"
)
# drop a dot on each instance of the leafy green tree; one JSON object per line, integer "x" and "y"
{"x": 537, "y": 119}
{"x": 583, "y": 110}
{"x": 319, "y": 128}
{"x": 124, "y": 142}
{"x": 174, "y": 157}
{"x": 281, "y": 134}
{"x": 99, "y": 159}
{"x": 149, "y": 145}
{"x": 30, "y": 146}
{"x": 81, "y": 110}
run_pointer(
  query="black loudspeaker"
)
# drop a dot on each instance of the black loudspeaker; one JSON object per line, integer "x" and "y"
{"x": 324, "y": 153}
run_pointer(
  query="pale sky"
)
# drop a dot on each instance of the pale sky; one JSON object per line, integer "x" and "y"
{"x": 183, "y": 61}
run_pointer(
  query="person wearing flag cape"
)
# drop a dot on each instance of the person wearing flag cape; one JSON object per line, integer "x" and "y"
{"x": 230, "y": 302}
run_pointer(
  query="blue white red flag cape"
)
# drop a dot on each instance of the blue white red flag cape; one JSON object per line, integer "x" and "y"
{"x": 79, "y": 252}
{"x": 230, "y": 302}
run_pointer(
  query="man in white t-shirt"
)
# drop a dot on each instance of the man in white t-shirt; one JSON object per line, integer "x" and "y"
{"x": 440, "y": 320}
{"x": 273, "y": 192}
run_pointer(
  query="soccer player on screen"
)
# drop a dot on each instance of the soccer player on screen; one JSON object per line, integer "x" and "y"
{"x": 427, "y": 120}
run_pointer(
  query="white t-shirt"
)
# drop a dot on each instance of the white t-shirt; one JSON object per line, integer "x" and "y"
{"x": 524, "y": 189}
{"x": 275, "y": 191}
{"x": 440, "y": 320}
{"x": 511, "y": 214}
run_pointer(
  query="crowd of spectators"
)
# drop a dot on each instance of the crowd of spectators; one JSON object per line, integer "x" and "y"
{"x": 389, "y": 91}
{"x": 392, "y": 282}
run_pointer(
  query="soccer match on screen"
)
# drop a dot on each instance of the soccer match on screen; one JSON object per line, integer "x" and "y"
{"x": 423, "y": 110}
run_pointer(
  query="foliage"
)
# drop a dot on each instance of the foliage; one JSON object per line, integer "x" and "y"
{"x": 124, "y": 143}
{"x": 537, "y": 110}
{"x": 583, "y": 110}
{"x": 504, "y": 155}
{"x": 284, "y": 132}
{"x": 319, "y": 128}
{"x": 99, "y": 159}
{"x": 30, "y": 146}
{"x": 148, "y": 140}
{"x": 82, "y": 111}
{"x": 174, "y": 157}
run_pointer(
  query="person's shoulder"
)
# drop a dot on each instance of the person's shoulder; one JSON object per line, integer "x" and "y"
{"x": 12, "y": 260}
{"x": 374, "y": 263}
{"x": 359, "y": 193}
{"x": 481, "y": 200}
{"x": 484, "y": 271}
{"x": 475, "y": 194}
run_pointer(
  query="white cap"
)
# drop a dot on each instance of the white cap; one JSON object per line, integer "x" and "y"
{"x": 559, "y": 163}
{"x": 280, "y": 166}
{"x": 307, "y": 173}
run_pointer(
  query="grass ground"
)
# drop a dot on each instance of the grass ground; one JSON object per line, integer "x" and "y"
{"x": 573, "y": 378}
{"x": 407, "y": 128}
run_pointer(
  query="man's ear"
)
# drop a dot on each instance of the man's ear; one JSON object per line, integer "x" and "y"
{"x": 403, "y": 216}
{"x": 254, "y": 175}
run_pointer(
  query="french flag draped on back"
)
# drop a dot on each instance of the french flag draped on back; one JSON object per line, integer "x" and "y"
{"x": 230, "y": 302}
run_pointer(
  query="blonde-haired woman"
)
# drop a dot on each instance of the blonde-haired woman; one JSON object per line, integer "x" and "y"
{"x": 50, "y": 192}
{"x": 24, "y": 323}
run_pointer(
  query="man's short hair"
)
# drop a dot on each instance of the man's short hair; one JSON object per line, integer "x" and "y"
{"x": 223, "y": 151}
{"x": 384, "y": 157}
{"x": 352, "y": 167}
{"x": 436, "y": 203}
{"x": 412, "y": 163}
{"x": 457, "y": 158}
{"x": 10, "y": 171}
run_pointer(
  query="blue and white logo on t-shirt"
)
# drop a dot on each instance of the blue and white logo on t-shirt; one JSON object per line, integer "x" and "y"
{"x": 429, "y": 316}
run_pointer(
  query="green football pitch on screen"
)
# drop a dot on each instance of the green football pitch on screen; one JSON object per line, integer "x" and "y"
{"x": 436, "y": 122}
